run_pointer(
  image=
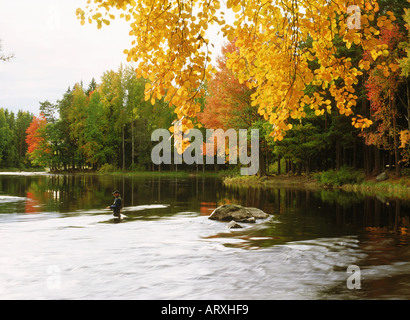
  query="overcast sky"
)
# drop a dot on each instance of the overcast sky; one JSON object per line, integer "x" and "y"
{"x": 53, "y": 51}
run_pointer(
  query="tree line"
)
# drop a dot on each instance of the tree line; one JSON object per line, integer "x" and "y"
{"x": 106, "y": 124}
{"x": 13, "y": 146}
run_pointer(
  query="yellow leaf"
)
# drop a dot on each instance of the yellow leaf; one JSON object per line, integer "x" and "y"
{"x": 236, "y": 8}
{"x": 349, "y": 81}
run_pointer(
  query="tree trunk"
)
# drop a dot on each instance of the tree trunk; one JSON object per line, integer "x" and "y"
{"x": 408, "y": 104}
{"x": 377, "y": 168}
{"x": 354, "y": 154}
{"x": 123, "y": 148}
{"x": 262, "y": 163}
{"x": 132, "y": 143}
{"x": 367, "y": 160}
{"x": 396, "y": 147}
{"x": 338, "y": 154}
{"x": 395, "y": 133}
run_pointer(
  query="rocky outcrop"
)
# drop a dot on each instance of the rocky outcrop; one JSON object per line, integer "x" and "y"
{"x": 234, "y": 212}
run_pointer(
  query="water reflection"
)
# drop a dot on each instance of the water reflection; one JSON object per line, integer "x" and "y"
{"x": 167, "y": 248}
{"x": 305, "y": 212}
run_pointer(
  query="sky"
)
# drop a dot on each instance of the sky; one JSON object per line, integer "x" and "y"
{"x": 52, "y": 51}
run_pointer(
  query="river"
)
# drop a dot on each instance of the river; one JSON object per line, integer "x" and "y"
{"x": 58, "y": 241}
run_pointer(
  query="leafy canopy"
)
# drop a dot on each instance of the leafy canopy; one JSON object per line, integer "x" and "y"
{"x": 172, "y": 50}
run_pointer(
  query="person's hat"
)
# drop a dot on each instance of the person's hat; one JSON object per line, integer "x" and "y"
{"x": 116, "y": 191}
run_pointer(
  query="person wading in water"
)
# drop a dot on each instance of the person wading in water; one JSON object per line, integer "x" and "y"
{"x": 117, "y": 205}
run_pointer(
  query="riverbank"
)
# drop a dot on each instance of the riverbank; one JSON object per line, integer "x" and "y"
{"x": 168, "y": 174}
{"x": 291, "y": 181}
{"x": 36, "y": 169}
{"x": 393, "y": 187}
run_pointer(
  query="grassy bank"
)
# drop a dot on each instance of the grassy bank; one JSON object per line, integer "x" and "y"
{"x": 291, "y": 181}
{"x": 36, "y": 169}
{"x": 168, "y": 174}
{"x": 392, "y": 187}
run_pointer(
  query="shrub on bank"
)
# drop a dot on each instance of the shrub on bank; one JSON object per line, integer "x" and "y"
{"x": 107, "y": 168}
{"x": 337, "y": 178}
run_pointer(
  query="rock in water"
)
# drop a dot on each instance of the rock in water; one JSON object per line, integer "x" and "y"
{"x": 257, "y": 213}
{"x": 233, "y": 225}
{"x": 229, "y": 212}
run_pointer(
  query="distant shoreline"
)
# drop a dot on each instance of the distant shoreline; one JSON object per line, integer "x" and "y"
{"x": 392, "y": 187}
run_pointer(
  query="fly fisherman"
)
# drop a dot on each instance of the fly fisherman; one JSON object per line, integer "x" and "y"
{"x": 117, "y": 205}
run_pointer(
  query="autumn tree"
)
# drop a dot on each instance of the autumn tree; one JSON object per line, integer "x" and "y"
{"x": 171, "y": 48}
{"x": 404, "y": 64}
{"x": 38, "y": 148}
{"x": 383, "y": 85}
{"x": 228, "y": 105}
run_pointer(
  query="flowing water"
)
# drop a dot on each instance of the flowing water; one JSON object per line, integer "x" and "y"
{"x": 58, "y": 242}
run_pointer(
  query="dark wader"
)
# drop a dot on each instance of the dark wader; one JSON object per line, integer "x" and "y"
{"x": 116, "y": 207}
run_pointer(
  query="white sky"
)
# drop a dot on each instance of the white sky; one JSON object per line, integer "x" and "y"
{"x": 53, "y": 51}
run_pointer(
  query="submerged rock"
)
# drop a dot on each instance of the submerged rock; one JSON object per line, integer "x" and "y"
{"x": 229, "y": 212}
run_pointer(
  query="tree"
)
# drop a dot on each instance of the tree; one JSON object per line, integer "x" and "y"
{"x": 228, "y": 104}
{"x": 171, "y": 49}
{"x": 112, "y": 98}
{"x": 67, "y": 145}
{"x": 23, "y": 121}
{"x": 48, "y": 110}
{"x": 382, "y": 88}
{"x": 38, "y": 147}
{"x": 77, "y": 116}
{"x": 405, "y": 61}
{"x": 5, "y": 134}
{"x": 93, "y": 135}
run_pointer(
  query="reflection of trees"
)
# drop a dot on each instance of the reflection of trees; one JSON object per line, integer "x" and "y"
{"x": 304, "y": 211}
{"x": 31, "y": 203}
{"x": 317, "y": 209}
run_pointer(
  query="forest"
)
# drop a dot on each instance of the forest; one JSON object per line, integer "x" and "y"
{"x": 107, "y": 124}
